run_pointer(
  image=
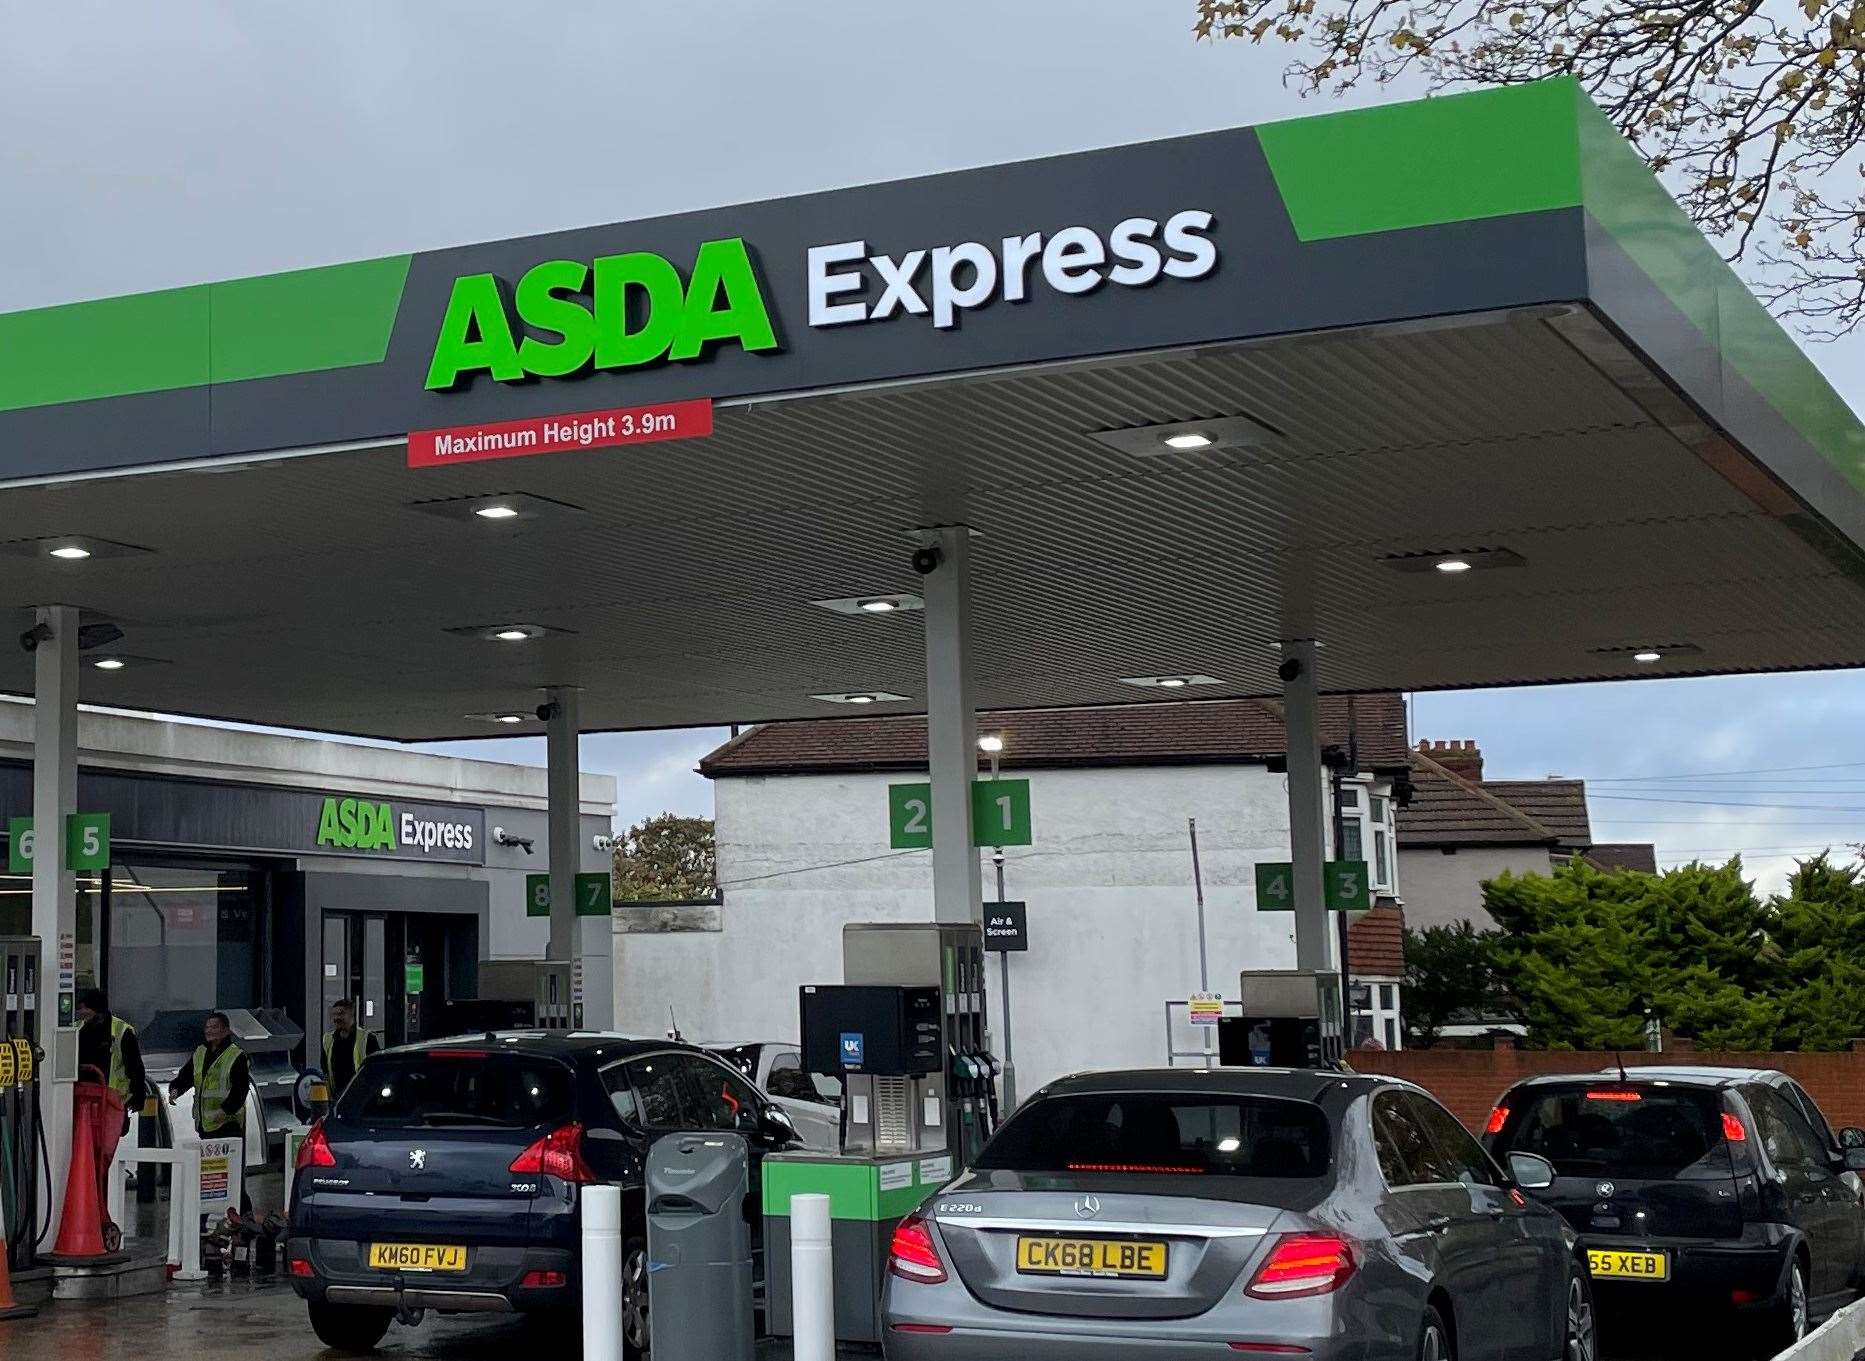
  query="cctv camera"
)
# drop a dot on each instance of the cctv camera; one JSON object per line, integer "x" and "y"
{"x": 1290, "y": 669}
{"x": 39, "y": 633}
{"x": 926, "y": 560}
{"x": 547, "y": 711}
{"x": 603, "y": 843}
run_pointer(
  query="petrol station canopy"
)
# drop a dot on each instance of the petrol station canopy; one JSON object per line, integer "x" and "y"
{"x": 1470, "y": 328}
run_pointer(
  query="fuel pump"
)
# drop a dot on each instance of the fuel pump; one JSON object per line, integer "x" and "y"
{"x": 25, "y": 1169}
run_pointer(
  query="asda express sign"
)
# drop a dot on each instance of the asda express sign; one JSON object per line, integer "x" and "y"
{"x": 366, "y": 826}
{"x": 564, "y": 318}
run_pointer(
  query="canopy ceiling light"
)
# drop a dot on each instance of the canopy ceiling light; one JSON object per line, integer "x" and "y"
{"x": 69, "y": 548}
{"x": 1454, "y": 562}
{"x": 1172, "y": 682}
{"x": 1186, "y": 437}
{"x": 499, "y": 508}
{"x": 878, "y": 602}
{"x": 515, "y": 631}
{"x": 862, "y": 697}
{"x": 1647, "y": 654}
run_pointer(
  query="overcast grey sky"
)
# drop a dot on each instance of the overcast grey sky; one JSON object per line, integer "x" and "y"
{"x": 143, "y": 146}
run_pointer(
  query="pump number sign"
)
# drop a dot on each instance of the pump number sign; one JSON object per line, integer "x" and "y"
{"x": 87, "y": 843}
{"x": 1000, "y": 814}
{"x": 594, "y": 894}
{"x": 1345, "y": 887}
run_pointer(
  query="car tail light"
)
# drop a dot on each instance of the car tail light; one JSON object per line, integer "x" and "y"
{"x": 1615, "y": 1094}
{"x": 1303, "y": 1264}
{"x": 547, "y": 1280}
{"x": 558, "y": 1154}
{"x": 913, "y": 1254}
{"x": 315, "y": 1150}
{"x": 1497, "y": 1119}
{"x": 299, "y": 1267}
{"x": 1733, "y": 1129}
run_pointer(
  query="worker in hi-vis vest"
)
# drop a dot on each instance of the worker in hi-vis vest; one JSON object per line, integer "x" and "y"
{"x": 345, "y": 1047}
{"x": 108, "y": 1053}
{"x": 220, "y": 1078}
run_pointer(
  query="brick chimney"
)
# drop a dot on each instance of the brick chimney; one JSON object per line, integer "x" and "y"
{"x": 1461, "y": 757}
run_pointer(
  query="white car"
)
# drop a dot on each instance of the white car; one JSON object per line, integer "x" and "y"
{"x": 813, "y": 1103}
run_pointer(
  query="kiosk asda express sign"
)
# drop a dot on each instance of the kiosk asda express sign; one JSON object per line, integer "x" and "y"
{"x": 381, "y": 827}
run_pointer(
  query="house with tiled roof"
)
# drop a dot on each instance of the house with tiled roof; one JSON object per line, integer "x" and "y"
{"x": 802, "y": 833}
{"x": 1460, "y": 830}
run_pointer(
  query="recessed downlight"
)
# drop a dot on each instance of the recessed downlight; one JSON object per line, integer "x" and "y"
{"x": 508, "y": 718}
{"x": 1648, "y": 656}
{"x": 70, "y": 552}
{"x": 875, "y": 603}
{"x": 879, "y": 604}
{"x": 1170, "y": 682}
{"x": 860, "y": 697}
{"x": 513, "y": 635}
{"x": 109, "y": 663}
{"x": 1190, "y": 439}
{"x": 498, "y": 510}
{"x": 1453, "y": 562}
{"x": 1452, "y": 566}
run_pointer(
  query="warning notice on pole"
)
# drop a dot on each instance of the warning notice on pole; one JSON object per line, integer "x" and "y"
{"x": 563, "y": 434}
{"x": 1207, "y": 1008}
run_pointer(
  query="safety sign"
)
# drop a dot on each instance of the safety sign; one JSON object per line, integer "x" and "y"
{"x": 1207, "y": 1008}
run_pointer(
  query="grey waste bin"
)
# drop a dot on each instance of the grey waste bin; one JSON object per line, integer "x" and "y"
{"x": 699, "y": 1248}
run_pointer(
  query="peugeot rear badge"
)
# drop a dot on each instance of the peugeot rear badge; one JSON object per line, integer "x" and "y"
{"x": 1087, "y": 1207}
{"x": 417, "y": 1159}
{"x": 1605, "y": 1190}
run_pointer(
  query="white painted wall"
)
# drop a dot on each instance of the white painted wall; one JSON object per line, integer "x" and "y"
{"x": 1442, "y": 890}
{"x": 1108, "y": 881}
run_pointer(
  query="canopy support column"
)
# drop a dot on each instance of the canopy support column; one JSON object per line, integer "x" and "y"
{"x": 1307, "y": 803}
{"x": 951, "y": 727}
{"x": 54, "y": 887}
{"x": 563, "y": 783}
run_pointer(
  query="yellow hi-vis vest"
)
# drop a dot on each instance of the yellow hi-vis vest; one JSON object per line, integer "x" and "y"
{"x": 359, "y": 1041}
{"x": 213, "y": 1083}
{"x": 119, "y": 1076}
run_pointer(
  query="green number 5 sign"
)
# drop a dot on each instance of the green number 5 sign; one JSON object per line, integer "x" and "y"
{"x": 87, "y": 843}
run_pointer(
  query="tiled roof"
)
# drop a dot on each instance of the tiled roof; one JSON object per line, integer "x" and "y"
{"x": 1211, "y": 732}
{"x": 1625, "y": 855}
{"x": 1376, "y": 944}
{"x": 1447, "y": 810}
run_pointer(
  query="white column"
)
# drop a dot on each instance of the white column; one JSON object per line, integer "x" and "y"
{"x": 54, "y": 888}
{"x": 564, "y": 783}
{"x": 602, "y": 1262}
{"x": 1314, "y": 947}
{"x": 812, "y": 1275}
{"x": 951, "y": 728}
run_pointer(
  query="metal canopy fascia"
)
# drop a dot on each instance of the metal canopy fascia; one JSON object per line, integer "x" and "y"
{"x": 1467, "y": 210}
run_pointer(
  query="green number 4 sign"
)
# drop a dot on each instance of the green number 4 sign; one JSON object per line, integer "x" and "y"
{"x": 1000, "y": 814}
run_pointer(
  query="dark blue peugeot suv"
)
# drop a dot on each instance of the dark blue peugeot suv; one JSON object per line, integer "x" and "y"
{"x": 447, "y": 1176}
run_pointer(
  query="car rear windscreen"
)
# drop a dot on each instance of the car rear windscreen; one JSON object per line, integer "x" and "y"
{"x": 457, "y": 1089}
{"x": 1147, "y": 1132}
{"x": 1634, "y": 1131}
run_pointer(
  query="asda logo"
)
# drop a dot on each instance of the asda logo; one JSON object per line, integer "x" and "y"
{"x": 362, "y": 825}
{"x": 619, "y": 312}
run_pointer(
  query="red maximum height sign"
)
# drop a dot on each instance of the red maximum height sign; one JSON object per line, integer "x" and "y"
{"x": 560, "y": 434}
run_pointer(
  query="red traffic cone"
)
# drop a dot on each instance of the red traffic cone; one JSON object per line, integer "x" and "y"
{"x": 81, "y": 1228}
{"x": 9, "y": 1306}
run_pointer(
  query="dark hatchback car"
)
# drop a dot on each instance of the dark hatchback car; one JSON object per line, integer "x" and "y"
{"x": 1706, "y": 1188}
{"x": 1174, "y": 1215}
{"x": 447, "y": 1176}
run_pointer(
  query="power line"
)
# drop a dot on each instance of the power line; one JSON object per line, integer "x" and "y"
{"x": 1720, "y": 774}
{"x": 1732, "y": 803}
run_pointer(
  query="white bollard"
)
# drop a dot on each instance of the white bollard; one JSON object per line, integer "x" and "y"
{"x": 602, "y": 1273}
{"x": 812, "y": 1278}
{"x": 185, "y": 1191}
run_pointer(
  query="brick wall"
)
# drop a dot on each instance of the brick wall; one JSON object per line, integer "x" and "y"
{"x": 1468, "y": 1081}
